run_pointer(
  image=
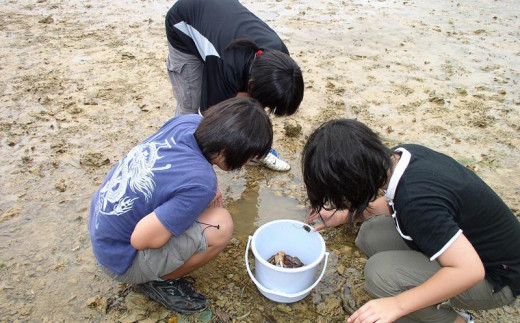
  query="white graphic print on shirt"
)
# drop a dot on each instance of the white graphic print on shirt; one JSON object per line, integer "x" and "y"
{"x": 134, "y": 172}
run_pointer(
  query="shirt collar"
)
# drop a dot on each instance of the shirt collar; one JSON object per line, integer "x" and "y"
{"x": 398, "y": 172}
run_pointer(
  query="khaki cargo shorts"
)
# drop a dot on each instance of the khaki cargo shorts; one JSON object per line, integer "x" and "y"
{"x": 151, "y": 264}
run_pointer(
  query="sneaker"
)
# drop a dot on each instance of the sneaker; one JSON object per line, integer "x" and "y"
{"x": 273, "y": 161}
{"x": 175, "y": 294}
{"x": 467, "y": 317}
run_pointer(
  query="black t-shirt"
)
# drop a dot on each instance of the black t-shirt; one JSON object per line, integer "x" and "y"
{"x": 205, "y": 28}
{"x": 437, "y": 198}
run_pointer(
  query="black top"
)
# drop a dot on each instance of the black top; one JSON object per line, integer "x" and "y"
{"x": 436, "y": 199}
{"x": 205, "y": 28}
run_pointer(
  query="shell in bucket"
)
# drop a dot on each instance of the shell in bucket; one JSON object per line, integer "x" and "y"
{"x": 286, "y": 285}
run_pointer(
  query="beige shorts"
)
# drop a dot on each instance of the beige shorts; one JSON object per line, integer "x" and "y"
{"x": 151, "y": 264}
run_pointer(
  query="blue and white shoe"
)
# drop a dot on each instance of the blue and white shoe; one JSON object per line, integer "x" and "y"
{"x": 273, "y": 161}
{"x": 466, "y": 316}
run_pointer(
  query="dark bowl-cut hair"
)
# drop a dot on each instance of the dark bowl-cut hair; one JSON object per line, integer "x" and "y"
{"x": 277, "y": 82}
{"x": 239, "y": 127}
{"x": 344, "y": 165}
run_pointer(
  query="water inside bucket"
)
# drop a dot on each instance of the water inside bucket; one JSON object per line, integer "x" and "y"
{"x": 293, "y": 238}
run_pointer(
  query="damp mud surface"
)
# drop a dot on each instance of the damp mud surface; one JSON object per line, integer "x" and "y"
{"x": 84, "y": 81}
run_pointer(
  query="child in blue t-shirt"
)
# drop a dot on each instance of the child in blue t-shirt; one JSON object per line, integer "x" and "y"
{"x": 158, "y": 215}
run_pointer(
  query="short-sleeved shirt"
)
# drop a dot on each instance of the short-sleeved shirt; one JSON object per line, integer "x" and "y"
{"x": 435, "y": 199}
{"x": 205, "y": 28}
{"x": 166, "y": 174}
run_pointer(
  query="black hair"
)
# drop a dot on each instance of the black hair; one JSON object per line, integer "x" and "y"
{"x": 277, "y": 82}
{"x": 276, "y": 79}
{"x": 239, "y": 127}
{"x": 344, "y": 164}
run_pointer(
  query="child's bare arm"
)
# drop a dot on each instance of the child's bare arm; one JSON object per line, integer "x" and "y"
{"x": 149, "y": 233}
{"x": 379, "y": 207}
{"x": 461, "y": 269}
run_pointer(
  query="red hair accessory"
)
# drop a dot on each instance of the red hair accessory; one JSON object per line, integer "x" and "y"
{"x": 259, "y": 52}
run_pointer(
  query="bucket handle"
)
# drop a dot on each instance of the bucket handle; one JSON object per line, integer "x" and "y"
{"x": 277, "y": 293}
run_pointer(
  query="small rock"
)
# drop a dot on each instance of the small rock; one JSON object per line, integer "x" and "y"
{"x": 61, "y": 186}
{"x": 11, "y": 212}
{"x": 46, "y": 20}
{"x": 292, "y": 128}
{"x": 128, "y": 56}
{"x": 94, "y": 160}
{"x": 284, "y": 308}
{"x": 348, "y": 301}
{"x": 205, "y": 316}
{"x": 222, "y": 316}
{"x": 346, "y": 251}
{"x": 99, "y": 303}
{"x": 433, "y": 97}
{"x": 173, "y": 319}
{"x": 136, "y": 301}
{"x": 331, "y": 307}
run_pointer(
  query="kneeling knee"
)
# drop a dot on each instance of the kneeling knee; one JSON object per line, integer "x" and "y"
{"x": 380, "y": 278}
{"x": 221, "y": 230}
{"x": 227, "y": 227}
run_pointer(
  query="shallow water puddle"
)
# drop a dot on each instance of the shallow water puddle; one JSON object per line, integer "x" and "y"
{"x": 257, "y": 207}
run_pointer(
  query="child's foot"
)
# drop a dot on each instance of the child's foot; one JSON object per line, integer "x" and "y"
{"x": 175, "y": 294}
{"x": 273, "y": 161}
{"x": 468, "y": 318}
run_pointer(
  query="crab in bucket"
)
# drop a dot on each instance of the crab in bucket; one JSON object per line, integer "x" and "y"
{"x": 281, "y": 259}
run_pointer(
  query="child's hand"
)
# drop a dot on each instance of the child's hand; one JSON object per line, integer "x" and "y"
{"x": 378, "y": 310}
{"x": 328, "y": 218}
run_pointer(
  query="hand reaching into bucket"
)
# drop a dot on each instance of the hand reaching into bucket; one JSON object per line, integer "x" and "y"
{"x": 328, "y": 218}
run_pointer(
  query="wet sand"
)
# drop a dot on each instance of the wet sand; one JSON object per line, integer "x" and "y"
{"x": 83, "y": 82}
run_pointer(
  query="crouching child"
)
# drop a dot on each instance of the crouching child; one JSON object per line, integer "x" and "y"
{"x": 439, "y": 241}
{"x": 159, "y": 216}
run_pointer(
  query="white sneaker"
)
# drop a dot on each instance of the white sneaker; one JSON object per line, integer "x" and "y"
{"x": 273, "y": 161}
{"x": 467, "y": 317}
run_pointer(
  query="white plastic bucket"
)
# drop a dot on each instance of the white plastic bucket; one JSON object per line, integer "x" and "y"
{"x": 286, "y": 285}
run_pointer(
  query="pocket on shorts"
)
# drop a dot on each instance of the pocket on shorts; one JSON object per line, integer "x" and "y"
{"x": 174, "y": 66}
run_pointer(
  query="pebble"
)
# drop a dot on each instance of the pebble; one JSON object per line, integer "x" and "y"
{"x": 292, "y": 128}
{"x": 346, "y": 251}
{"x": 284, "y": 308}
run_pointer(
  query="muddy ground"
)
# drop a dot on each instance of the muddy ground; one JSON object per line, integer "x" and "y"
{"x": 84, "y": 81}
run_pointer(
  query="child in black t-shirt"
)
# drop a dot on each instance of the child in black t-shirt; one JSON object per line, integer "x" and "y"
{"x": 439, "y": 237}
{"x": 218, "y": 49}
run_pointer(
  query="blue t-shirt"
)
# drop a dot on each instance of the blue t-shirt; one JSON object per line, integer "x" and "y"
{"x": 167, "y": 174}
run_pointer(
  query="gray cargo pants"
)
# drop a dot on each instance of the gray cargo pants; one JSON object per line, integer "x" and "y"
{"x": 185, "y": 72}
{"x": 393, "y": 268}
